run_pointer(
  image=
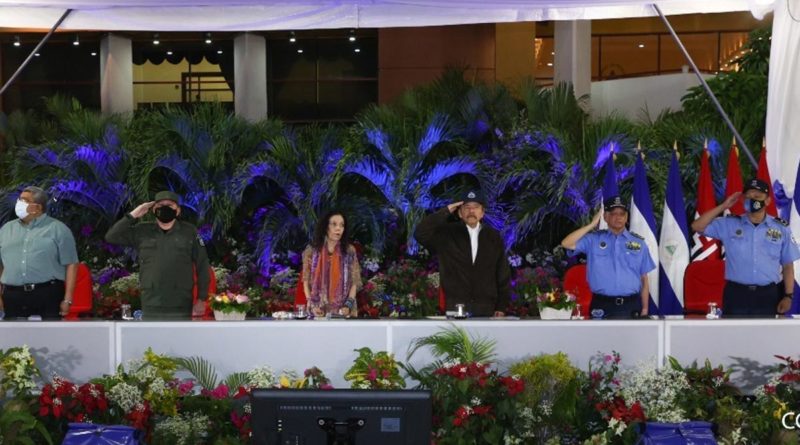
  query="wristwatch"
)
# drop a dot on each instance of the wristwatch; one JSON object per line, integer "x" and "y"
{"x": 788, "y": 295}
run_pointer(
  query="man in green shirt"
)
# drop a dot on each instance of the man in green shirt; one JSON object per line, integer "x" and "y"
{"x": 169, "y": 253}
{"x": 38, "y": 260}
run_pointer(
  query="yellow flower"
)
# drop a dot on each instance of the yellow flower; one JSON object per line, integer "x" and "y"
{"x": 225, "y": 299}
{"x": 284, "y": 382}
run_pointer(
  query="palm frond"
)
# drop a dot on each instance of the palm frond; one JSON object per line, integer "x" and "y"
{"x": 201, "y": 369}
{"x": 235, "y": 381}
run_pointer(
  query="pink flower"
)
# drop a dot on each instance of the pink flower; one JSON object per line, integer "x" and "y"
{"x": 241, "y": 299}
{"x": 373, "y": 374}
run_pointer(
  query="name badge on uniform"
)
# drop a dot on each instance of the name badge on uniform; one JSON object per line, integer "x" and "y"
{"x": 774, "y": 234}
{"x": 633, "y": 245}
{"x": 603, "y": 244}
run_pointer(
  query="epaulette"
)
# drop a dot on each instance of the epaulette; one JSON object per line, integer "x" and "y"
{"x": 781, "y": 221}
{"x": 636, "y": 235}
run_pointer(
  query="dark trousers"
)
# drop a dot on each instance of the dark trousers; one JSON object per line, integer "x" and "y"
{"x": 44, "y": 300}
{"x": 741, "y": 300}
{"x": 628, "y": 306}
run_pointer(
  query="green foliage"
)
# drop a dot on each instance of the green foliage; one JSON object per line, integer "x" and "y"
{"x": 19, "y": 425}
{"x": 201, "y": 369}
{"x": 450, "y": 345}
{"x": 551, "y": 381}
{"x": 375, "y": 370}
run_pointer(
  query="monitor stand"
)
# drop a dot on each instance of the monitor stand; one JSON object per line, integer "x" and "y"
{"x": 340, "y": 433}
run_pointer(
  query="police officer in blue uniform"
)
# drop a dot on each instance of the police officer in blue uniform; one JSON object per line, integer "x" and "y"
{"x": 760, "y": 254}
{"x": 617, "y": 263}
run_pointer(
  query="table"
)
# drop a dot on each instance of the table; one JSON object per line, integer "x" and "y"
{"x": 83, "y": 349}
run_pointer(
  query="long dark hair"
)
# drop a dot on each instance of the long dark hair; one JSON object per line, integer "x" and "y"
{"x": 321, "y": 231}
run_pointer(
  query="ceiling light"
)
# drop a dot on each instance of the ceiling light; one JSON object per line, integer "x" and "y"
{"x": 641, "y": 45}
{"x": 300, "y": 51}
{"x": 292, "y": 37}
{"x": 37, "y": 54}
{"x": 358, "y": 50}
{"x": 169, "y": 53}
{"x": 219, "y": 51}
{"x": 549, "y": 63}
{"x": 77, "y": 41}
{"x": 155, "y": 39}
{"x": 94, "y": 54}
{"x": 352, "y": 36}
{"x": 208, "y": 38}
{"x": 16, "y": 41}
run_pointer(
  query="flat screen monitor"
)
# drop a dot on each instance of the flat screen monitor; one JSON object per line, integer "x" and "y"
{"x": 340, "y": 417}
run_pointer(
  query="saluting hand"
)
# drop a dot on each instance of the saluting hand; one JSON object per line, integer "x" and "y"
{"x": 597, "y": 216}
{"x": 731, "y": 200}
{"x": 142, "y": 210}
{"x": 452, "y": 207}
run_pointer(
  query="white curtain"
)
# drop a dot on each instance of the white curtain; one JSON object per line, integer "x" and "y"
{"x": 783, "y": 99}
{"x": 254, "y": 15}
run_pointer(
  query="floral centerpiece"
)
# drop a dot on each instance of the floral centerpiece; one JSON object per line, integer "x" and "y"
{"x": 408, "y": 289}
{"x": 375, "y": 370}
{"x": 556, "y": 304}
{"x": 230, "y": 306}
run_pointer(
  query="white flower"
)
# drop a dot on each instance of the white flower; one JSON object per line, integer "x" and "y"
{"x": 475, "y": 401}
{"x": 658, "y": 391}
{"x": 262, "y": 377}
{"x": 125, "y": 396}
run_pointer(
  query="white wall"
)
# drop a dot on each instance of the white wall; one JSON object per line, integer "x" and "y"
{"x": 630, "y": 96}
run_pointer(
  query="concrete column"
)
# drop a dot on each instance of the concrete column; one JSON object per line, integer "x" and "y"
{"x": 116, "y": 74}
{"x": 573, "y": 59}
{"x": 250, "y": 76}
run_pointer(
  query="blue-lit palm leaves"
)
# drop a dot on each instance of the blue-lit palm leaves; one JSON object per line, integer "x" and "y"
{"x": 554, "y": 161}
{"x": 291, "y": 184}
{"x": 195, "y": 155}
{"x": 90, "y": 175}
{"x": 407, "y": 160}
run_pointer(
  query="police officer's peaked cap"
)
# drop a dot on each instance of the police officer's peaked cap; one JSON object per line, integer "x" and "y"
{"x": 166, "y": 194}
{"x": 756, "y": 184}
{"x": 474, "y": 196}
{"x": 615, "y": 202}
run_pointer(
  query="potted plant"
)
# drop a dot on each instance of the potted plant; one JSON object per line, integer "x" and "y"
{"x": 556, "y": 305}
{"x": 230, "y": 306}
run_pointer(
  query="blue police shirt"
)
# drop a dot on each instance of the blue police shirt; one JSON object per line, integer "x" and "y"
{"x": 615, "y": 263}
{"x": 754, "y": 253}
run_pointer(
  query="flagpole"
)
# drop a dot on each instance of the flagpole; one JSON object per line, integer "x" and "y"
{"x": 706, "y": 87}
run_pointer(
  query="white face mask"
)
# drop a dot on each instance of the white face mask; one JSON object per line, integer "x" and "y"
{"x": 21, "y": 209}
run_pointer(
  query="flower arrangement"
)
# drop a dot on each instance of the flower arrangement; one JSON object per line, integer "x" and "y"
{"x": 229, "y": 302}
{"x": 375, "y": 370}
{"x": 473, "y": 404}
{"x": 17, "y": 371}
{"x": 406, "y": 290}
{"x": 556, "y": 299}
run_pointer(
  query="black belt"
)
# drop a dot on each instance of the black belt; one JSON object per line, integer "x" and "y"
{"x": 30, "y": 287}
{"x": 618, "y": 301}
{"x": 751, "y": 287}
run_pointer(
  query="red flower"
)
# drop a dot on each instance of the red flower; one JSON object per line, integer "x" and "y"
{"x": 482, "y": 410}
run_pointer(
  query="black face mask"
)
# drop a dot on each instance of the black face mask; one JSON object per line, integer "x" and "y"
{"x": 166, "y": 214}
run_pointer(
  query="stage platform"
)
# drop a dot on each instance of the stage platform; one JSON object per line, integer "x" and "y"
{"x": 79, "y": 350}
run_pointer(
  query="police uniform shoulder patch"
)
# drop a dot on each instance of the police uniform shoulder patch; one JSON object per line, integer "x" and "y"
{"x": 781, "y": 221}
{"x": 636, "y": 235}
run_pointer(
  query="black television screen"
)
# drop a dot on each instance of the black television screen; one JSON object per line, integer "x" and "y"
{"x": 340, "y": 417}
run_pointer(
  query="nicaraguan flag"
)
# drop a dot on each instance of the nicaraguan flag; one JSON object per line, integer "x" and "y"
{"x": 794, "y": 225}
{"x": 673, "y": 245}
{"x": 643, "y": 222}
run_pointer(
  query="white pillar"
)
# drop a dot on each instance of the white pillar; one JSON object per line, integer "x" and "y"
{"x": 116, "y": 74}
{"x": 250, "y": 76}
{"x": 573, "y": 59}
